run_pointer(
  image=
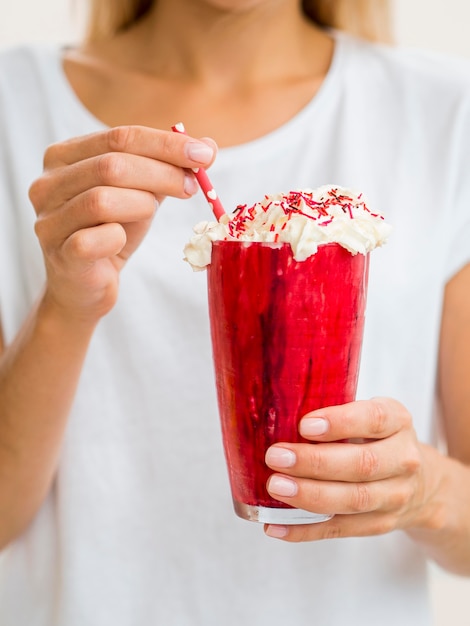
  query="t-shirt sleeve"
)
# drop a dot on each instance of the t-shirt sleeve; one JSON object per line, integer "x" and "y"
{"x": 10, "y": 279}
{"x": 458, "y": 222}
{"x": 21, "y": 263}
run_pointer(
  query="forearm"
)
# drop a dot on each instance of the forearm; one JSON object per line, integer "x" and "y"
{"x": 39, "y": 373}
{"x": 444, "y": 527}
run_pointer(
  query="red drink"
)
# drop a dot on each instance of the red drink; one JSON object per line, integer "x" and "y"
{"x": 286, "y": 339}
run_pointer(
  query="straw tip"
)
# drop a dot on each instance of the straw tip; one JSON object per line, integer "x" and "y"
{"x": 179, "y": 127}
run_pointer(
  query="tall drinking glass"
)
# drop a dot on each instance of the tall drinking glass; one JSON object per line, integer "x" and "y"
{"x": 286, "y": 338}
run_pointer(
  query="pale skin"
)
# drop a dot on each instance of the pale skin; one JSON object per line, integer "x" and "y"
{"x": 94, "y": 204}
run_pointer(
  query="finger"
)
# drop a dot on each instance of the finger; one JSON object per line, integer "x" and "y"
{"x": 349, "y": 462}
{"x": 331, "y": 497}
{"x": 94, "y": 206}
{"x": 111, "y": 170}
{"x": 339, "y": 526}
{"x": 179, "y": 150}
{"x": 377, "y": 418}
{"x": 89, "y": 245}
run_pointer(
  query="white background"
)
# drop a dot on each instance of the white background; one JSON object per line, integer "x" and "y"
{"x": 433, "y": 24}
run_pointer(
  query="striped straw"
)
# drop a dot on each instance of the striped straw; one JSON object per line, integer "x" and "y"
{"x": 204, "y": 182}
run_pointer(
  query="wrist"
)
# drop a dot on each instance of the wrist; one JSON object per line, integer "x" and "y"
{"x": 52, "y": 317}
{"x": 431, "y": 514}
{"x": 441, "y": 523}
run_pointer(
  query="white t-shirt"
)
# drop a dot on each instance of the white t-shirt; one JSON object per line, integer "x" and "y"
{"x": 138, "y": 528}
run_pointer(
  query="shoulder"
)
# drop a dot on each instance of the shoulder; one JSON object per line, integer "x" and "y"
{"x": 408, "y": 77}
{"x": 23, "y": 67}
{"x": 33, "y": 94}
{"x": 29, "y": 76}
{"x": 29, "y": 104}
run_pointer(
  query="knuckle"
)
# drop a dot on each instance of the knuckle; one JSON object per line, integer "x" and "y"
{"x": 377, "y": 418}
{"x": 406, "y": 419}
{"x": 40, "y": 228}
{"x": 368, "y": 462}
{"x": 333, "y": 531}
{"x": 315, "y": 492}
{"x": 110, "y": 167}
{"x": 34, "y": 192}
{"x": 360, "y": 499}
{"x": 403, "y": 496}
{"x": 98, "y": 200}
{"x": 120, "y": 138}
{"x": 412, "y": 462}
{"x": 315, "y": 459}
{"x": 38, "y": 191}
{"x": 167, "y": 145}
{"x": 77, "y": 246}
{"x": 52, "y": 154}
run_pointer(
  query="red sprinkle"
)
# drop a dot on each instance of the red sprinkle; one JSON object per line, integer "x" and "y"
{"x": 291, "y": 204}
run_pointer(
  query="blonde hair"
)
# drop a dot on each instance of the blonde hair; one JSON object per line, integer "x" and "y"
{"x": 369, "y": 19}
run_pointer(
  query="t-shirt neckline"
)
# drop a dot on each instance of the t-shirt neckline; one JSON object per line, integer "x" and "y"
{"x": 79, "y": 116}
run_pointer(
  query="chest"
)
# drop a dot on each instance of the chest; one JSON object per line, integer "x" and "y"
{"x": 230, "y": 115}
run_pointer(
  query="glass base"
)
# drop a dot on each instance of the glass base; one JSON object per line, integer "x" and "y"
{"x": 266, "y": 515}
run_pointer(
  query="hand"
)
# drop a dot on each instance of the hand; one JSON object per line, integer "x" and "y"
{"x": 371, "y": 487}
{"x": 95, "y": 202}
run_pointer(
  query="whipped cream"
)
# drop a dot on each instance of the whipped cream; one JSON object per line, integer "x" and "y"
{"x": 305, "y": 219}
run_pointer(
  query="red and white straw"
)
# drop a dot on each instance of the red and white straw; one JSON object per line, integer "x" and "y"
{"x": 204, "y": 182}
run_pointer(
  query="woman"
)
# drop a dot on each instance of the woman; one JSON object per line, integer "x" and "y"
{"x": 114, "y": 500}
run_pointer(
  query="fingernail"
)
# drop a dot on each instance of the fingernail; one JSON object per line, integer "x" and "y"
{"x": 199, "y": 152}
{"x": 190, "y": 184}
{"x": 313, "y": 426}
{"x": 280, "y": 457}
{"x": 281, "y": 486}
{"x": 276, "y": 531}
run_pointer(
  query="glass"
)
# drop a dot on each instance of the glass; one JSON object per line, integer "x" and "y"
{"x": 286, "y": 339}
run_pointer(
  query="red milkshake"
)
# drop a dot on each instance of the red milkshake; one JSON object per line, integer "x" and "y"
{"x": 286, "y": 340}
{"x": 287, "y": 282}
